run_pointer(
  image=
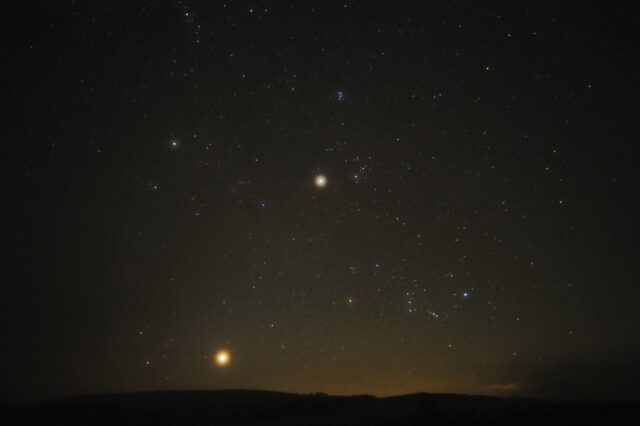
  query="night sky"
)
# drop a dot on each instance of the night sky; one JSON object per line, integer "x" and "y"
{"x": 347, "y": 197}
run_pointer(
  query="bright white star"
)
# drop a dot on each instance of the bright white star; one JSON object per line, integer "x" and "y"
{"x": 321, "y": 181}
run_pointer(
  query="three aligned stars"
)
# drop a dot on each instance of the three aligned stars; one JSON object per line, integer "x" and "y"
{"x": 320, "y": 180}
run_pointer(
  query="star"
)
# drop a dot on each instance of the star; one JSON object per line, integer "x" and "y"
{"x": 222, "y": 358}
{"x": 321, "y": 181}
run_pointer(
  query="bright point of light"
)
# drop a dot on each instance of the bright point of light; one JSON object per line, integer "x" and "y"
{"x": 223, "y": 358}
{"x": 321, "y": 181}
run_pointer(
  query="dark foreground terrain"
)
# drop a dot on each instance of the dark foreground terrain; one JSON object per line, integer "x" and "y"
{"x": 237, "y": 407}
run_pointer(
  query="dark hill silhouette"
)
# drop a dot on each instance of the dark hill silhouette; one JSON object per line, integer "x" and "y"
{"x": 246, "y": 407}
